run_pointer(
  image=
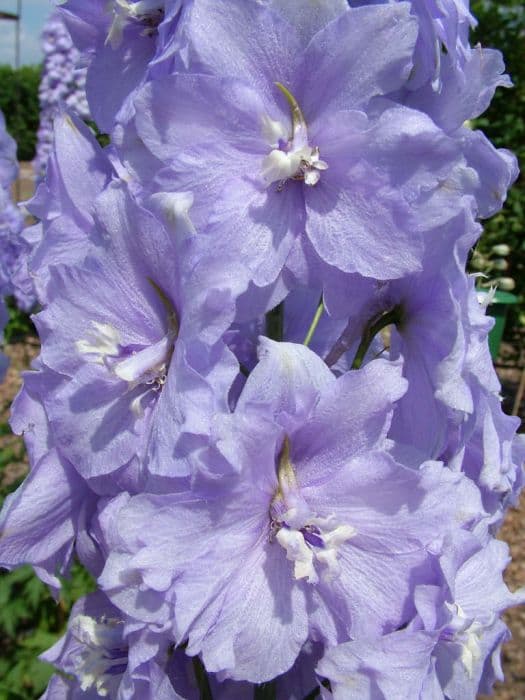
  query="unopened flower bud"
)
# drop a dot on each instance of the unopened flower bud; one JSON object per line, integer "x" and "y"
{"x": 501, "y": 249}
{"x": 500, "y": 264}
{"x": 506, "y": 284}
{"x": 478, "y": 262}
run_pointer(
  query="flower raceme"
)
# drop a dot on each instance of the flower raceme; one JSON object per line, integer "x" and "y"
{"x": 63, "y": 82}
{"x": 264, "y": 415}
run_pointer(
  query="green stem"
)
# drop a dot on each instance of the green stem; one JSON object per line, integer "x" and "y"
{"x": 374, "y": 327}
{"x": 315, "y": 323}
{"x": 265, "y": 691}
{"x": 298, "y": 120}
{"x": 274, "y": 322}
{"x": 202, "y": 679}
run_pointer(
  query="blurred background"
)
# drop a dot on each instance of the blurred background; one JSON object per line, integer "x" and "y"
{"x": 38, "y": 71}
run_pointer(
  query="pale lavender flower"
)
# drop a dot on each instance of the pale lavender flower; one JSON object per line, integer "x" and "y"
{"x": 321, "y": 533}
{"x": 119, "y": 41}
{"x": 46, "y": 518}
{"x": 396, "y": 666}
{"x": 465, "y": 611}
{"x": 134, "y": 326}
{"x": 62, "y": 85}
{"x": 105, "y": 655}
{"x": 292, "y": 161}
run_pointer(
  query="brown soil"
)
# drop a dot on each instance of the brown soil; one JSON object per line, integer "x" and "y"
{"x": 20, "y": 356}
{"x": 514, "y": 652}
{"x": 24, "y": 187}
{"x": 510, "y": 366}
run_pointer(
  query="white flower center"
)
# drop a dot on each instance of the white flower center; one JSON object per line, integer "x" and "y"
{"x": 307, "y": 538}
{"x": 101, "y": 341}
{"x": 468, "y": 634}
{"x": 317, "y": 540}
{"x": 291, "y": 157}
{"x": 138, "y": 366}
{"x": 104, "y": 654}
{"x": 174, "y": 209}
{"x": 147, "y": 12}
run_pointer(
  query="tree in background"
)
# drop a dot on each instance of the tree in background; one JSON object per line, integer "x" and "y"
{"x": 19, "y": 103}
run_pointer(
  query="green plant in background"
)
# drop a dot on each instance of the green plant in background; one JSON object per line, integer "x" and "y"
{"x": 103, "y": 139}
{"x": 19, "y": 103}
{"x": 19, "y": 325}
{"x": 31, "y": 622}
{"x": 493, "y": 267}
{"x": 502, "y": 24}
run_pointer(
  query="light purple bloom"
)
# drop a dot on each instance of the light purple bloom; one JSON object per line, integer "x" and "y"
{"x": 396, "y": 666}
{"x": 465, "y": 611}
{"x": 62, "y": 85}
{"x": 279, "y": 167}
{"x": 269, "y": 157}
{"x": 136, "y": 330}
{"x": 320, "y": 533}
{"x": 449, "y": 649}
{"x": 104, "y": 655}
{"x": 119, "y": 41}
{"x": 254, "y": 509}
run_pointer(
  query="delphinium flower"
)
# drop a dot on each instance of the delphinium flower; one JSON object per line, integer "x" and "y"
{"x": 95, "y": 656}
{"x": 450, "y": 648}
{"x": 13, "y": 281}
{"x": 316, "y": 511}
{"x": 264, "y": 399}
{"x": 62, "y": 83}
{"x": 295, "y": 160}
{"x": 45, "y": 521}
{"x": 437, "y": 325}
{"x": 131, "y": 321}
{"x": 121, "y": 41}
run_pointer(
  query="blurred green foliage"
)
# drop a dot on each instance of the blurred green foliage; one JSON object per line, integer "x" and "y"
{"x": 19, "y": 103}
{"x": 502, "y": 26}
{"x": 19, "y": 325}
{"x": 31, "y": 621}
